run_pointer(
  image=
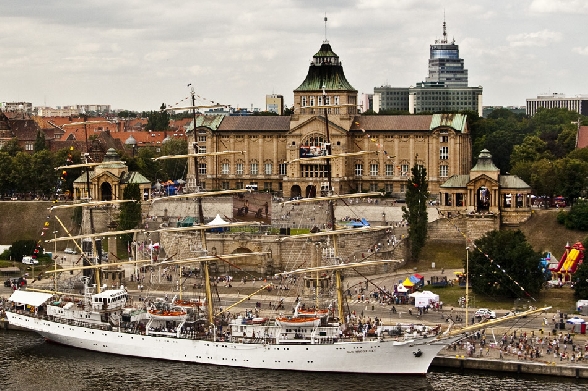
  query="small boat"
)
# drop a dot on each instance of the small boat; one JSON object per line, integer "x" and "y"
{"x": 298, "y": 322}
{"x": 167, "y": 314}
{"x": 306, "y": 313}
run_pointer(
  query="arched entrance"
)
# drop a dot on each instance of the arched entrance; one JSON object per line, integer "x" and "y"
{"x": 483, "y": 199}
{"x": 310, "y": 191}
{"x": 106, "y": 192}
{"x": 295, "y": 191}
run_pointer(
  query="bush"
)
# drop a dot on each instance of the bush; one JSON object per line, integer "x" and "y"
{"x": 577, "y": 217}
{"x": 562, "y": 217}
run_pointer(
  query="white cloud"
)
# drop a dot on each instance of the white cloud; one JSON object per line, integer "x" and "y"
{"x": 583, "y": 51}
{"x": 539, "y": 38}
{"x": 559, "y": 6}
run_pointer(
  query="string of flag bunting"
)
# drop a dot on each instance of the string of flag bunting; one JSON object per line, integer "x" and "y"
{"x": 470, "y": 243}
{"x": 374, "y": 140}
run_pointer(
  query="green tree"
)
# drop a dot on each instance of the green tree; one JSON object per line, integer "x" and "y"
{"x": 21, "y": 248}
{"x": 505, "y": 263}
{"x": 130, "y": 212}
{"x": 22, "y": 173}
{"x": 11, "y": 147}
{"x": 6, "y": 179}
{"x": 40, "y": 143}
{"x": 174, "y": 168}
{"x": 45, "y": 175}
{"x": 149, "y": 168}
{"x": 530, "y": 150}
{"x": 544, "y": 178}
{"x": 576, "y": 218}
{"x": 581, "y": 281}
{"x": 415, "y": 211}
{"x": 158, "y": 120}
{"x": 572, "y": 174}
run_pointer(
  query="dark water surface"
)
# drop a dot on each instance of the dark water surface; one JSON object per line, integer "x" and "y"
{"x": 27, "y": 362}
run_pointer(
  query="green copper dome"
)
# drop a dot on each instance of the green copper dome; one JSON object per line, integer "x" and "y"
{"x": 325, "y": 70}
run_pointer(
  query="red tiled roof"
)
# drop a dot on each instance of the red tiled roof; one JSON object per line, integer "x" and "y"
{"x": 582, "y": 137}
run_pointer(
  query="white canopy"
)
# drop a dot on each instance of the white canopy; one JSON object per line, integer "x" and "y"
{"x": 424, "y": 298}
{"x": 401, "y": 288}
{"x": 31, "y": 298}
{"x": 218, "y": 221}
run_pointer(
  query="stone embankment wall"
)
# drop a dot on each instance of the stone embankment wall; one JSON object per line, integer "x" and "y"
{"x": 453, "y": 229}
{"x": 283, "y": 252}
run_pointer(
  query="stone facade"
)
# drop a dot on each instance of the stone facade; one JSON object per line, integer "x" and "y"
{"x": 281, "y": 254}
{"x": 108, "y": 181}
{"x": 266, "y": 150}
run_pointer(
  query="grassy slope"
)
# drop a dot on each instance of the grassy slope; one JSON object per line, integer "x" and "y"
{"x": 21, "y": 220}
{"x": 543, "y": 233}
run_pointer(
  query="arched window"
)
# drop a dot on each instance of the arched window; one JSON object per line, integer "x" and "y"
{"x": 225, "y": 167}
{"x": 254, "y": 167}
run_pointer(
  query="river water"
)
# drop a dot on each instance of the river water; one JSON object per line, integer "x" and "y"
{"x": 27, "y": 362}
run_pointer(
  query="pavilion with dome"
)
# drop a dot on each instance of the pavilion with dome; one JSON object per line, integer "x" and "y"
{"x": 484, "y": 191}
{"x": 109, "y": 179}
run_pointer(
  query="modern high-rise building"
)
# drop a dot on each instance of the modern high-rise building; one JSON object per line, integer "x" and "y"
{"x": 445, "y": 66}
{"x": 445, "y": 89}
{"x": 578, "y": 104}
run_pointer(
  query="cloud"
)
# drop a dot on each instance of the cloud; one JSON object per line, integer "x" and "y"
{"x": 583, "y": 51}
{"x": 559, "y": 6}
{"x": 539, "y": 38}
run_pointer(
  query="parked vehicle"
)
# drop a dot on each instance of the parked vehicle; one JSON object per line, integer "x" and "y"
{"x": 29, "y": 260}
{"x": 70, "y": 250}
{"x": 485, "y": 313}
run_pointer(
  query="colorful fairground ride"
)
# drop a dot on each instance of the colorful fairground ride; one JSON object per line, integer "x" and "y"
{"x": 568, "y": 264}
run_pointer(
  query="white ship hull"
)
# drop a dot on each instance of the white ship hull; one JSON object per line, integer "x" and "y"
{"x": 383, "y": 357}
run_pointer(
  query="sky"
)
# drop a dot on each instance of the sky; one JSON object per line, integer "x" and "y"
{"x": 137, "y": 54}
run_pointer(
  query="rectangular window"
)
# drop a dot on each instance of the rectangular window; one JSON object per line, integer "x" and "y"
{"x": 389, "y": 169}
{"x": 225, "y": 185}
{"x": 312, "y": 100}
{"x": 444, "y": 139}
{"x": 404, "y": 169}
{"x": 327, "y": 100}
{"x": 444, "y": 153}
{"x": 373, "y": 187}
{"x": 202, "y": 168}
{"x": 283, "y": 169}
{"x": 254, "y": 168}
{"x": 320, "y": 100}
{"x": 403, "y": 187}
{"x": 359, "y": 169}
{"x": 201, "y": 143}
{"x": 443, "y": 171}
{"x": 389, "y": 188}
{"x": 267, "y": 186}
{"x": 336, "y": 100}
{"x": 239, "y": 168}
{"x": 268, "y": 169}
{"x": 239, "y": 185}
{"x": 28, "y": 147}
{"x": 303, "y": 103}
{"x": 226, "y": 168}
{"x": 374, "y": 169}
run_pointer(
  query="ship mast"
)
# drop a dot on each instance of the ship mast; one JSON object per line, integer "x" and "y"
{"x": 331, "y": 209}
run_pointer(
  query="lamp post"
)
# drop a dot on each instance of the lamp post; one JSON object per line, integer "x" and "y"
{"x": 467, "y": 297}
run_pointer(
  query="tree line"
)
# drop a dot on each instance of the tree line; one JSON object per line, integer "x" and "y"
{"x": 34, "y": 175}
